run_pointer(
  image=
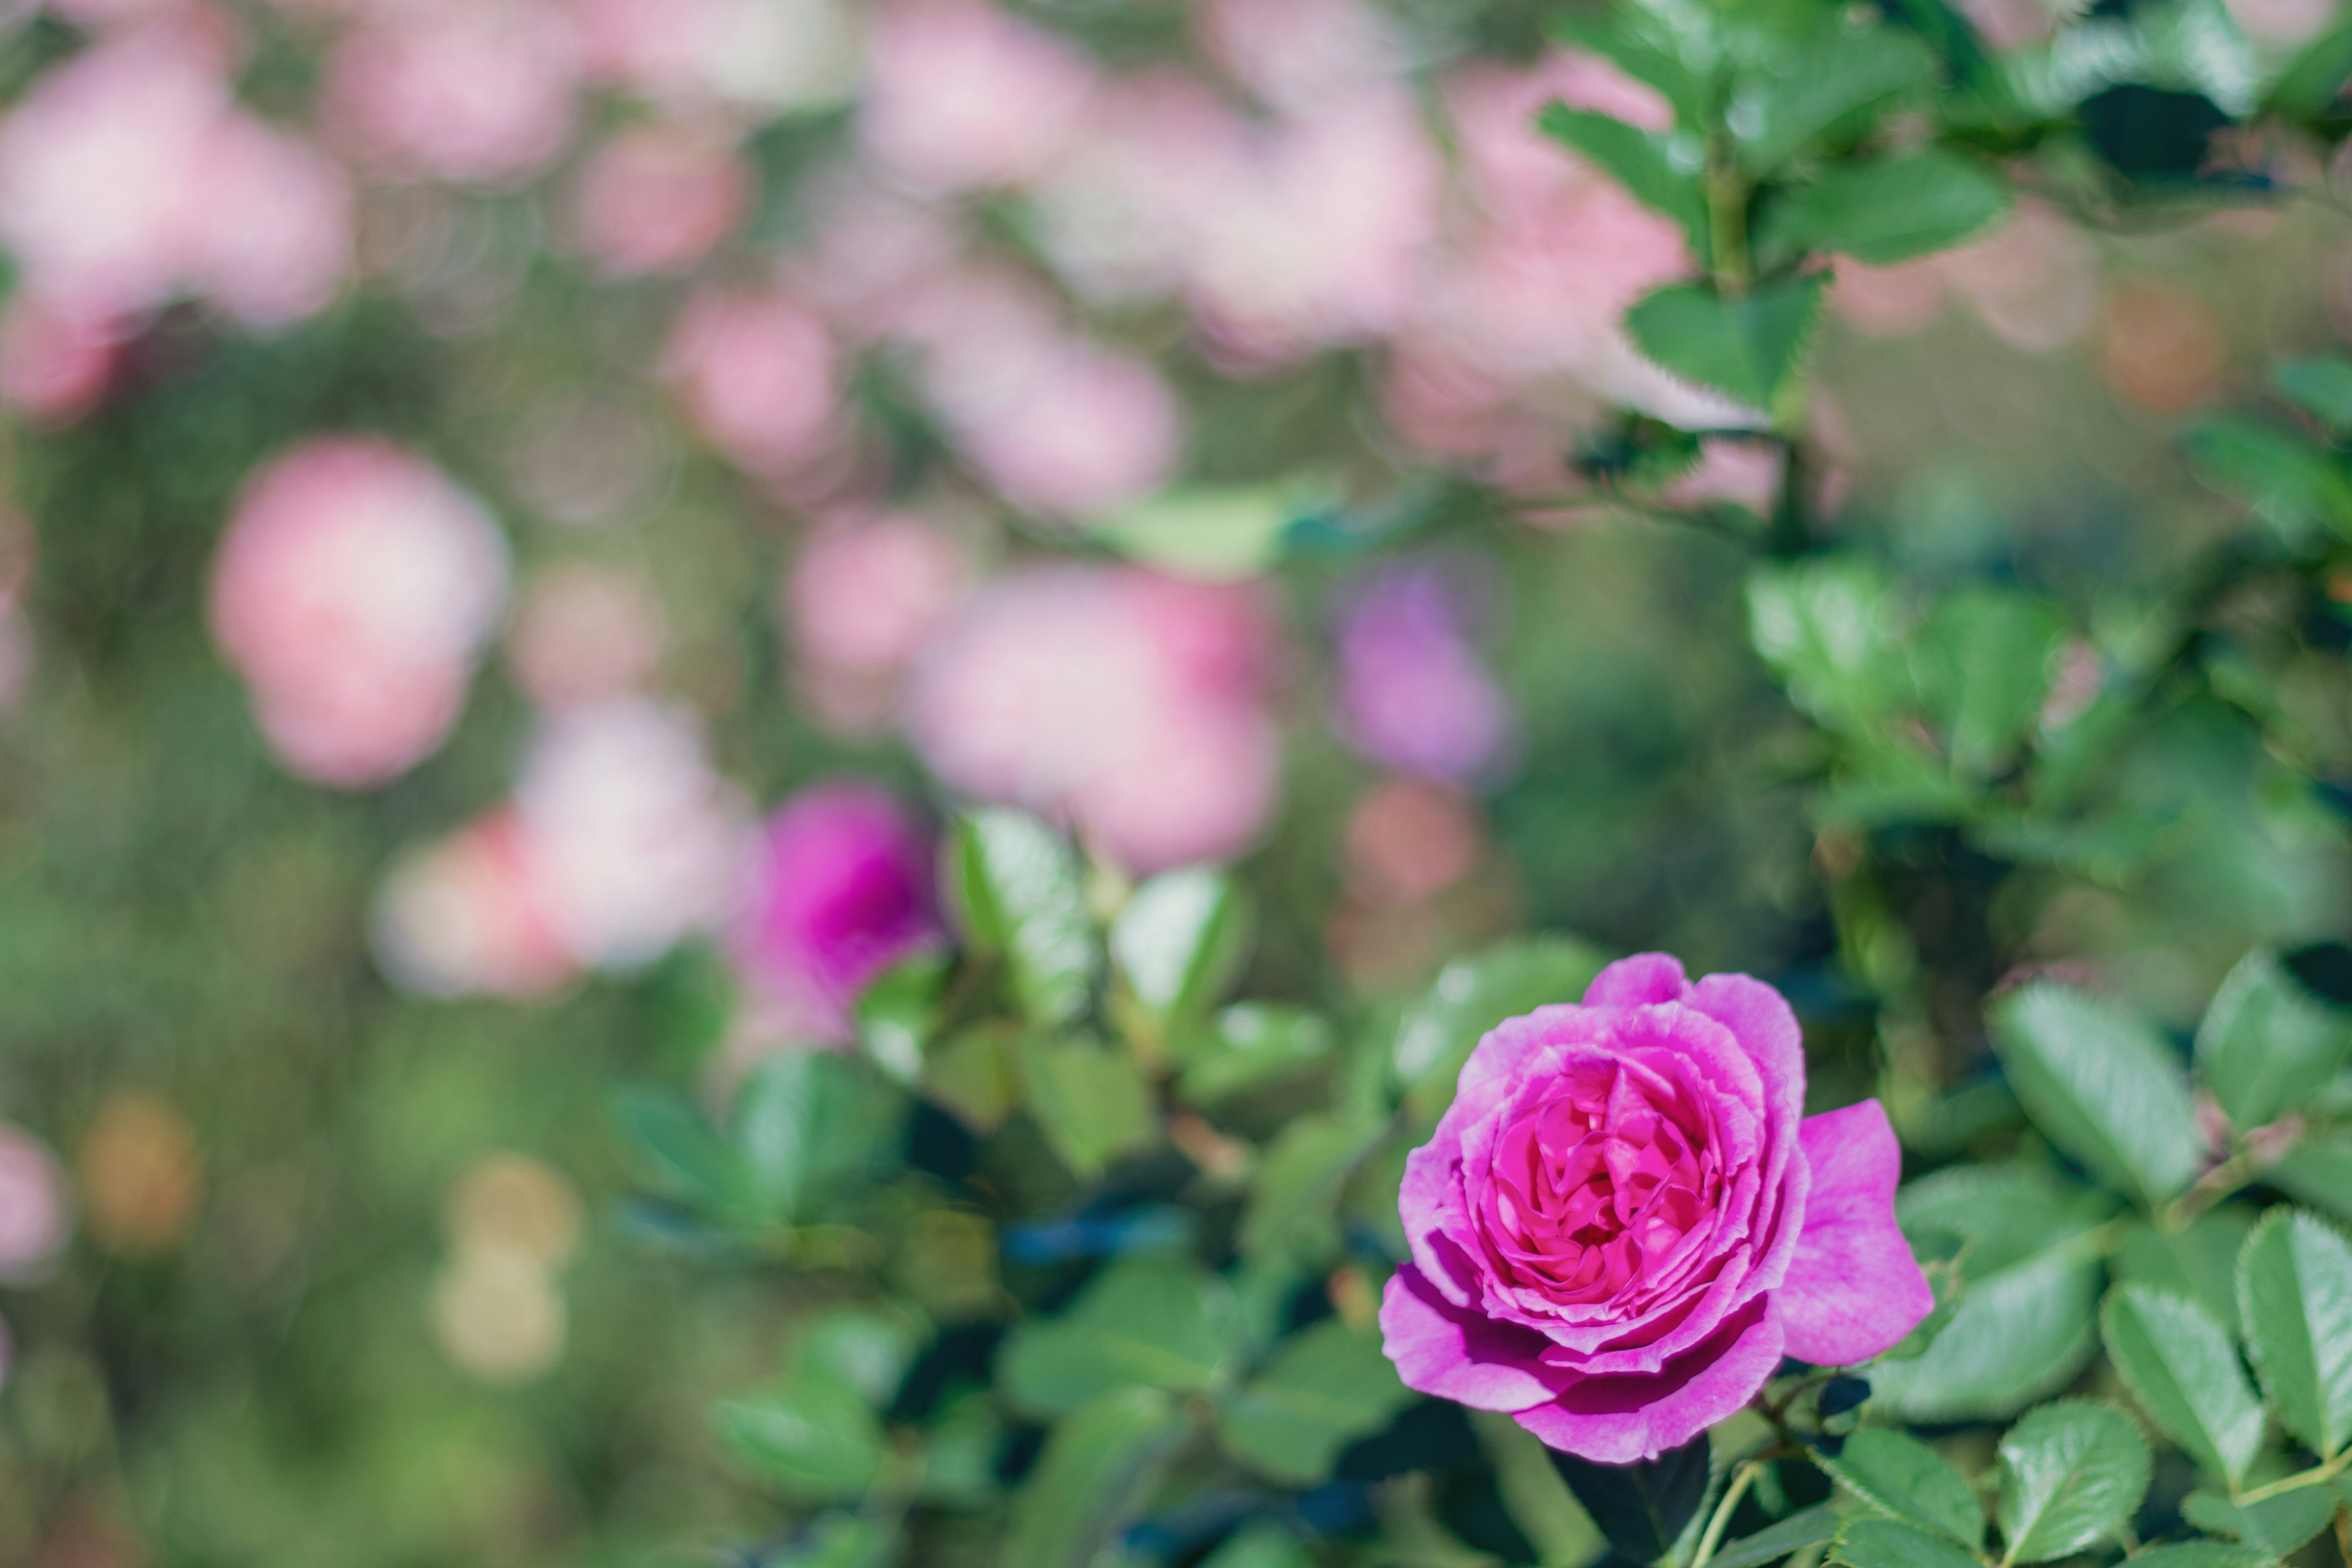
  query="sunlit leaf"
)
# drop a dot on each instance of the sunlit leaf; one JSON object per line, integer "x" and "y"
{"x": 2102, "y": 1086}
{"x": 1322, "y": 1389}
{"x": 1904, "y": 1479}
{"x": 2294, "y": 1296}
{"x": 2072, "y": 1473}
{"x": 2178, "y": 1359}
{"x": 1744, "y": 346}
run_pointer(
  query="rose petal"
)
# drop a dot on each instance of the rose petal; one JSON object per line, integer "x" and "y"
{"x": 1640, "y": 980}
{"x": 1759, "y": 1019}
{"x": 1853, "y": 1288}
{"x": 1459, "y": 1353}
{"x": 1620, "y": 1420}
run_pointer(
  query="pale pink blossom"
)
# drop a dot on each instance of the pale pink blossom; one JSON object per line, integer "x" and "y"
{"x": 758, "y": 377}
{"x": 273, "y": 241}
{"x": 469, "y": 917}
{"x": 583, "y": 634}
{"x": 1085, "y": 432}
{"x": 1130, "y": 704}
{"x": 960, "y": 95}
{"x": 1300, "y": 55}
{"x": 54, "y": 362}
{"x": 765, "y": 54}
{"x": 1743, "y": 473}
{"x": 2035, "y": 280}
{"x": 657, "y": 198}
{"x": 858, "y": 605}
{"x": 353, "y": 591}
{"x": 476, "y": 91}
{"x": 33, "y": 1219}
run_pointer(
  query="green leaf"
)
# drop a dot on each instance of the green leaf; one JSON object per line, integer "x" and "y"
{"x": 2200, "y": 1554}
{"x": 1828, "y": 629}
{"x": 1096, "y": 1469}
{"x": 1143, "y": 1324}
{"x": 1292, "y": 1213}
{"x": 1218, "y": 536}
{"x": 1474, "y": 993}
{"x": 2102, "y": 1086}
{"x": 2025, "y": 1319}
{"x": 1017, "y": 884}
{"x": 2318, "y": 1170}
{"x": 805, "y": 1124}
{"x": 1904, "y": 1479}
{"x": 1664, "y": 52}
{"x": 1889, "y": 209}
{"x": 1179, "y": 939}
{"x": 1254, "y": 1043}
{"x": 842, "y": 1540}
{"x": 1090, "y": 1101}
{"x": 1642, "y": 1507}
{"x": 1260, "y": 1546}
{"x": 2309, "y": 85}
{"x": 1323, "y": 1389}
{"x": 1745, "y": 347}
{"x": 1890, "y": 1543}
{"x": 1829, "y": 79}
{"x": 2294, "y": 1297}
{"x": 1661, "y": 172}
{"x": 2322, "y": 388}
{"x": 816, "y": 1438}
{"x": 898, "y": 1010}
{"x": 977, "y": 1074}
{"x": 1984, "y": 664}
{"x": 1807, "y": 1527}
{"x": 2290, "y": 481}
{"x": 868, "y": 1350}
{"x": 2267, "y": 1045}
{"x": 2177, "y": 1361}
{"x": 683, "y": 1155}
{"x": 2200, "y": 1261}
{"x": 2275, "y": 1526}
{"x": 2072, "y": 1473}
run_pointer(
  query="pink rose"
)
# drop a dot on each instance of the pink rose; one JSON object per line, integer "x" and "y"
{"x": 1621, "y": 1226}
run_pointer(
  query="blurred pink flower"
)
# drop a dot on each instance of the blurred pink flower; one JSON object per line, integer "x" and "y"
{"x": 34, "y": 1222}
{"x": 1085, "y": 432}
{"x": 1301, "y": 55}
{"x": 468, "y": 917}
{"x": 2035, "y": 280}
{"x": 960, "y": 95}
{"x": 1131, "y": 704}
{"x": 634, "y": 840}
{"x": 656, "y": 198}
{"x": 700, "y": 54}
{"x": 1888, "y": 301}
{"x": 274, "y": 241}
{"x": 861, "y": 601}
{"x": 477, "y": 91}
{"x": 1413, "y": 693}
{"x": 840, "y": 889}
{"x": 353, "y": 590}
{"x": 54, "y": 362}
{"x": 758, "y": 377}
{"x": 583, "y": 634}
{"x": 1744, "y": 473}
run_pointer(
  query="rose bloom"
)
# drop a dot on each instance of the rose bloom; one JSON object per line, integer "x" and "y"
{"x": 1621, "y": 1224}
{"x": 960, "y": 95}
{"x": 841, "y": 890}
{"x": 656, "y": 198}
{"x": 468, "y": 917}
{"x": 1413, "y": 693}
{"x": 353, "y": 590}
{"x": 474, "y": 91}
{"x": 757, "y": 374}
{"x": 33, "y": 1219}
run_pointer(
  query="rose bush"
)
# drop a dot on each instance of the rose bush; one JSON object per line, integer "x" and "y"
{"x": 1621, "y": 1224}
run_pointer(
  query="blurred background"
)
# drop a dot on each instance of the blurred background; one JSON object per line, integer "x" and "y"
{"x": 497, "y": 494}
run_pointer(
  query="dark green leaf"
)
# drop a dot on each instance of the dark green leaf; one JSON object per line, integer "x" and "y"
{"x": 1829, "y": 629}
{"x": 1659, "y": 171}
{"x": 2312, "y": 82}
{"x": 2200, "y": 1261}
{"x": 683, "y": 1156}
{"x": 2275, "y": 1526}
{"x": 2072, "y": 1473}
{"x": 1745, "y": 347}
{"x": 1808, "y": 1527}
{"x": 2290, "y": 481}
{"x": 1292, "y": 1208}
{"x": 1648, "y": 46}
{"x": 2102, "y": 1086}
{"x": 1984, "y": 665}
{"x": 1090, "y": 1100}
{"x": 1474, "y": 993}
{"x": 805, "y": 1124}
{"x": 1261, "y": 1546}
{"x": 1889, "y": 1544}
{"x": 2267, "y": 1045}
{"x": 1146, "y": 1324}
{"x": 1831, "y": 78}
{"x": 2294, "y": 1297}
{"x": 1641, "y": 1508}
{"x": 2200, "y": 1554}
{"x": 1017, "y": 883}
{"x": 1097, "y": 1467}
{"x": 2321, "y": 387}
{"x": 1889, "y": 209}
{"x": 2178, "y": 1361}
{"x": 2318, "y": 1170}
{"x": 1904, "y": 1479}
{"x": 1324, "y": 1388}
{"x": 2159, "y": 135}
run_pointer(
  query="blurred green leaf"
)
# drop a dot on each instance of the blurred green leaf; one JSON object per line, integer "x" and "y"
{"x": 1292, "y": 1209}
{"x": 1867, "y": 1543}
{"x": 2294, "y": 1296}
{"x": 2071, "y": 1474}
{"x": 816, "y": 1437}
{"x": 2101, "y": 1085}
{"x": 2318, "y": 1170}
{"x": 1887, "y": 210}
{"x": 1323, "y": 1388}
{"x": 2276, "y": 1526}
{"x": 2280, "y": 473}
{"x": 1260, "y": 1546}
{"x": 2200, "y": 1554}
{"x": 2177, "y": 1361}
{"x": 2313, "y": 81}
{"x": 683, "y": 1154}
{"x": 1214, "y": 534}
{"x": 1745, "y": 347}
{"x": 1251, "y": 1043}
{"x": 1664, "y": 51}
{"x": 1090, "y": 1100}
{"x": 1179, "y": 940}
{"x": 1642, "y": 1508}
{"x": 1806, "y": 1527}
{"x": 2266, "y": 1044}
{"x": 1834, "y": 76}
{"x": 1097, "y": 1465}
{"x": 2321, "y": 386}
{"x": 1984, "y": 665}
{"x": 1659, "y": 171}
{"x": 977, "y": 1074}
{"x": 1828, "y": 629}
{"x": 1142, "y": 1323}
{"x": 1904, "y": 1479}
{"x": 2200, "y": 1261}
{"x": 898, "y": 1010}
{"x": 805, "y": 1123}
{"x": 1017, "y": 882}
{"x": 1471, "y": 995}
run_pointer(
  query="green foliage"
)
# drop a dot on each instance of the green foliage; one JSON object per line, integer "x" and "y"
{"x": 2294, "y": 1297}
{"x": 2072, "y": 1473}
{"x": 1321, "y": 1390}
{"x": 1643, "y": 1508}
{"x": 1906, "y": 1479}
{"x": 1141, "y": 1324}
{"x": 2101, "y": 1084}
{"x": 1745, "y": 345}
{"x": 2182, "y": 1367}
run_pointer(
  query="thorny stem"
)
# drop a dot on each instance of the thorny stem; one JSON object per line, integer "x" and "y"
{"x": 1741, "y": 1478}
